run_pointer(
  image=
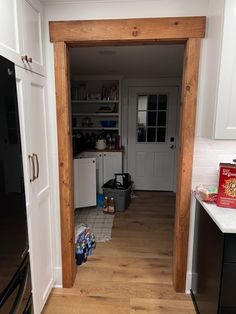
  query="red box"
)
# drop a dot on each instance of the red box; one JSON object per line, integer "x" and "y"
{"x": 227, "y": 186}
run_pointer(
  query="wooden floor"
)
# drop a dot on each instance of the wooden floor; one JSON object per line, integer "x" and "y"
{"x": 131, "y": 273}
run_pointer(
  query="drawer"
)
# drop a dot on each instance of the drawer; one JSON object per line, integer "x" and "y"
{"x": 228, "y": 298}
{"x": 227, "y": 310}
{"x": 230, "y": 248}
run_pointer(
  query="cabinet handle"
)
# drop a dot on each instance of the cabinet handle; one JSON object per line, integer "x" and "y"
{"x": 37, "y": 163}
{"x": 31, "y": 161}
{"x": 30, "y": 60}
{"x": 24, "y": 58}
{"x": 104, "y": 154}
{"x": 100, "y": 155}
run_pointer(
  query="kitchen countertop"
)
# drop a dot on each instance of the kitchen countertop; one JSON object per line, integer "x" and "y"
{"x": 224, "y": 218}
{"x": 103, "y": 150}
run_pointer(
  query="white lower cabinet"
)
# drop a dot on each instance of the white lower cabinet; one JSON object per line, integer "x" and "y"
{"x": 85, "y": 182}
{"x": 33, "y": 125}
{"x": 107, "y": 164}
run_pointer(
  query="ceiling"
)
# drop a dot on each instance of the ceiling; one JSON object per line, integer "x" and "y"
{"x": 128, "y": 61}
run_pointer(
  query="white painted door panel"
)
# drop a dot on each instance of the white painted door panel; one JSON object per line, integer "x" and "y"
{"x": 151, "y": 161}
{"x": 225, "y": 125}
{"x": 32, "y": 34}
{"x": 99, "y": 167}
{"x": 112, "y": 163}
{"x": 84, "y": 182}
{"x": 10, "y": 30}
{"x": 32, "y": 107}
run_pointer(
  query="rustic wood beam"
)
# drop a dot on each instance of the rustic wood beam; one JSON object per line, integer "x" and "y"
{"x": 127, "y": 30}
{"x": 63, "y": 104}
{"x": 187, "y": 132}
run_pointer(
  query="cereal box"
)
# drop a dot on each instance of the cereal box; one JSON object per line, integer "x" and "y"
{"x": 227, "y": 186}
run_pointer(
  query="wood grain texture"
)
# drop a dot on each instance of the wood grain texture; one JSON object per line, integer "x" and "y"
{"x": 132, "y": 273}
{"x": 62, "y": 81}
{"x": 127, "y": 30}
{"x": 187, "y": 132}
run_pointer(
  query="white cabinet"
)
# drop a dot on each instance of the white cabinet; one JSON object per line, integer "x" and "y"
{"x": 107, "y": 164}
{"x": 225, "y": 126}
{"x": 85, "y": 182}
{"x": 21, "y": 33}
{"x": 218, "y": 119}
{"x": 11, "y": 43}
{"x": 32, "y": 35}
{"x": 33, "y": 125}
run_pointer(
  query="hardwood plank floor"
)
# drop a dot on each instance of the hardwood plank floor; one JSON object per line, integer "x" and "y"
{"x": 131, "y": 273}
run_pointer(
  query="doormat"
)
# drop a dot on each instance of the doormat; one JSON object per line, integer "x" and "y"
{"x": 100, "y": 223}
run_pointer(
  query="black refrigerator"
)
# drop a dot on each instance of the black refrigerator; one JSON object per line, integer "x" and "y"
{"x": 15, "y": 282}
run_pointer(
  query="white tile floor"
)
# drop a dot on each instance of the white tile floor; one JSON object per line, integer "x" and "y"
{"x": 100, "y": 223}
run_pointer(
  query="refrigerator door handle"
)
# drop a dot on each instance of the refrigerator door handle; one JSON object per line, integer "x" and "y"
{"x": 37, "y": 163}
{"x": 31, "y": 161}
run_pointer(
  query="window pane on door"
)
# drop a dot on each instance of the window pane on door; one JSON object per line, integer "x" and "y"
{"x": 161, "y": 134}
{"x": 151, "y": 134}
{"x": 142, "y": 118}
{"x": 152, "y": 102}
{"x": 161, "y": 120}
{"x": 142, "y": 102}
{"x": 151, "y": 118}
{"x": 162, "y": 102}
{"x": 141, "y": 134}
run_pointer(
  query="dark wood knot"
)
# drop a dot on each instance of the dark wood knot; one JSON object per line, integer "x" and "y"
{"x": 135, "y": 32}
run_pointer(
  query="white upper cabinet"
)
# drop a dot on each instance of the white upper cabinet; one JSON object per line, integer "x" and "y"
{"x": 21, "y": 33}
{"x": 10, "y": 30}
{"x": 219, "y": 72}
{"x": 225, "y": 127}
{"x": 32, "y": 35}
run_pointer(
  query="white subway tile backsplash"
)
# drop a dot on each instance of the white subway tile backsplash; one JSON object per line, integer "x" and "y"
{"x": 207, "y": 154}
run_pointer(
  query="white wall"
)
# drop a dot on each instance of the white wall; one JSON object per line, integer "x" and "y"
{"x": 82, "y": 10}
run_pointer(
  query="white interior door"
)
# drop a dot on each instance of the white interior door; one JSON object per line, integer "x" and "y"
{"x": 151, "y": 137}
{"x": 85, "y": 182}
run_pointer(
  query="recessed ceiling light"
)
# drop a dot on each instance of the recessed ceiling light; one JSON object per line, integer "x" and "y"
{"x": 107, "y": 52}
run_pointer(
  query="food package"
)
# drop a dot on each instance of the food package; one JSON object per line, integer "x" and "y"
{"x": 227, "y": 186}
{"x": 207, "y": 193}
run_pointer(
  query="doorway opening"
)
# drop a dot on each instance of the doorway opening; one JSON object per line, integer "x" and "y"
{"x": 138, "y": 31}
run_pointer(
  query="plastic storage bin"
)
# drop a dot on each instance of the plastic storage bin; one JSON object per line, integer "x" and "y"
{"x": 122, "y": 197}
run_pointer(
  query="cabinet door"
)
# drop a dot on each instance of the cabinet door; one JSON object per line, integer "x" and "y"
{"x": 32, "y": 35}
{"x": 32, "y": 105}
{"x": 99, "y": 168}
{"x": 85, "y": 182}
{"x": 225, "y": 127}
{"x": 209, "y": 242}
{"x": 112, "y": 163}
{"x": 10, "y": 30}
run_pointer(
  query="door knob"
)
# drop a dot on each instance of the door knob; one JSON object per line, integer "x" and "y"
{"x": 172, "y": 146}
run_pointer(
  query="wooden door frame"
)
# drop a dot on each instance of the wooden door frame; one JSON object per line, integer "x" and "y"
{"x": 64, "y": 34}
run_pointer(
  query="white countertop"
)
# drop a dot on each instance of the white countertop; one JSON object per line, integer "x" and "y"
{"x": 224, "y": 218}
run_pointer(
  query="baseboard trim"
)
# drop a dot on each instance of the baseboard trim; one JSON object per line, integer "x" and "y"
{"x": 58, "y": 277}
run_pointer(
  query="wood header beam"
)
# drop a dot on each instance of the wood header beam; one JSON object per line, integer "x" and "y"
{"x": 127, "y": 30}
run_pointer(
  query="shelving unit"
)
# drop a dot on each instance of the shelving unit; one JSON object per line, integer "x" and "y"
{"x": 96, "y": 100}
